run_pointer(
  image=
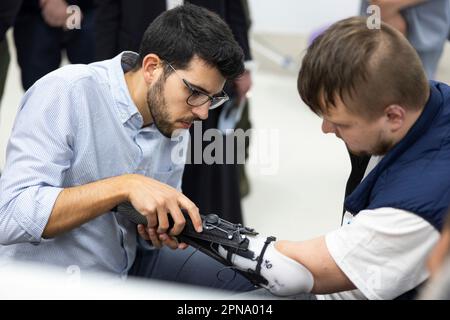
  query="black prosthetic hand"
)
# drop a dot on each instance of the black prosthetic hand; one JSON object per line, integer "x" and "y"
{"x": 220, "y": 239}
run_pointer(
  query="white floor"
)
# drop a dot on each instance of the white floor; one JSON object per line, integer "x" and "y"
{"x": 303, "y": 198}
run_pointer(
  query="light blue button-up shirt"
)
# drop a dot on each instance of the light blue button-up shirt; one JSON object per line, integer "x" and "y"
{"x": 77, "y": 125}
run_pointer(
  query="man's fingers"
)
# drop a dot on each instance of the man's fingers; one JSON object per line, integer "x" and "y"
{"x": 163, "y": 221}
{"x": 153, "y": 235}
{"x": 178, "y": 219}
{"x": 149, "y": 234}
{"x": 193, "y": 212}
{"x": 142, "y": 232}
{"x": 172, "y": 243}
{"x": 152, "y": 220}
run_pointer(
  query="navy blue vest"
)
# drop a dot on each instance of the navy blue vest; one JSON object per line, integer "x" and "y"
{"x": 415, "y": 174}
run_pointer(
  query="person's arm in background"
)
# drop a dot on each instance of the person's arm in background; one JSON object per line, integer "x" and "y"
{"x": 438, "y": 263}
{"x": 391, "y": 12}
{"x": 8, "y": 12}
{"x": 237, "y": 17}
{"x": 107, "y": 23}
{"x": 54, "y": 12}
{"x": 442, "y": 248}
{"x": 389, "y": 7}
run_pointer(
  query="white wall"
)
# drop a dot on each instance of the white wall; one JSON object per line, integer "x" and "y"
{"x": 294, "y": 16}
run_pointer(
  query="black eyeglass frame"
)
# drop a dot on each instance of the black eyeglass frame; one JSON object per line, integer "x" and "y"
{"x": 216, "y": 101}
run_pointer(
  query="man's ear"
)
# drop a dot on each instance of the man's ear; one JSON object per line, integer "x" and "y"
{"x": 395, "y": 115}
{"x": 150, "y": 64}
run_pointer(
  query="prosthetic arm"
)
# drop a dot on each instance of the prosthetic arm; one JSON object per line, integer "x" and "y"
{"x": 252, "y": 255}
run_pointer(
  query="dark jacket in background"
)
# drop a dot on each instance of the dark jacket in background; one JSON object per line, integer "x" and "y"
{"x": 39, "y": 45}
{"x": 120, "y": 24}
{"x": 8, "y": 12}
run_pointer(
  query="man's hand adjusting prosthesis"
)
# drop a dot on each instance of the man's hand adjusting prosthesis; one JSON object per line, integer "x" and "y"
{"x": 252, "y": 255}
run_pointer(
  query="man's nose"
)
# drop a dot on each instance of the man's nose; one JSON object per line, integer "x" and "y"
{"x": 328, "y": 127}
{"x": 201, "y": 111}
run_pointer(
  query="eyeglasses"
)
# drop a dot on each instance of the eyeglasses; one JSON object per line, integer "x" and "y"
{"x": 198, "y": 98}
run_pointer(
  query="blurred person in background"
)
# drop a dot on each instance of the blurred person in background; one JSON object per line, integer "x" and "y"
{"x": 44, "y": 28}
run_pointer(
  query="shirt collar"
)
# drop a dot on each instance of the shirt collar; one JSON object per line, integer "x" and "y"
{"x": 126, "y": 108}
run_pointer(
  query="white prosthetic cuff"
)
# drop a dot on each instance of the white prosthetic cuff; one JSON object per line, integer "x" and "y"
{"x": 285, "y": 276}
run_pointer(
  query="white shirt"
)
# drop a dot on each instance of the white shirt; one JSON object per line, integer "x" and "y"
{"x": 382, "y": 251}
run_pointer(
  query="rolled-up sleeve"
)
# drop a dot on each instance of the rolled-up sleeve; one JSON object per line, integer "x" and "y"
{"x": 40, "y": 150}
{"x": 383, "y": 251}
